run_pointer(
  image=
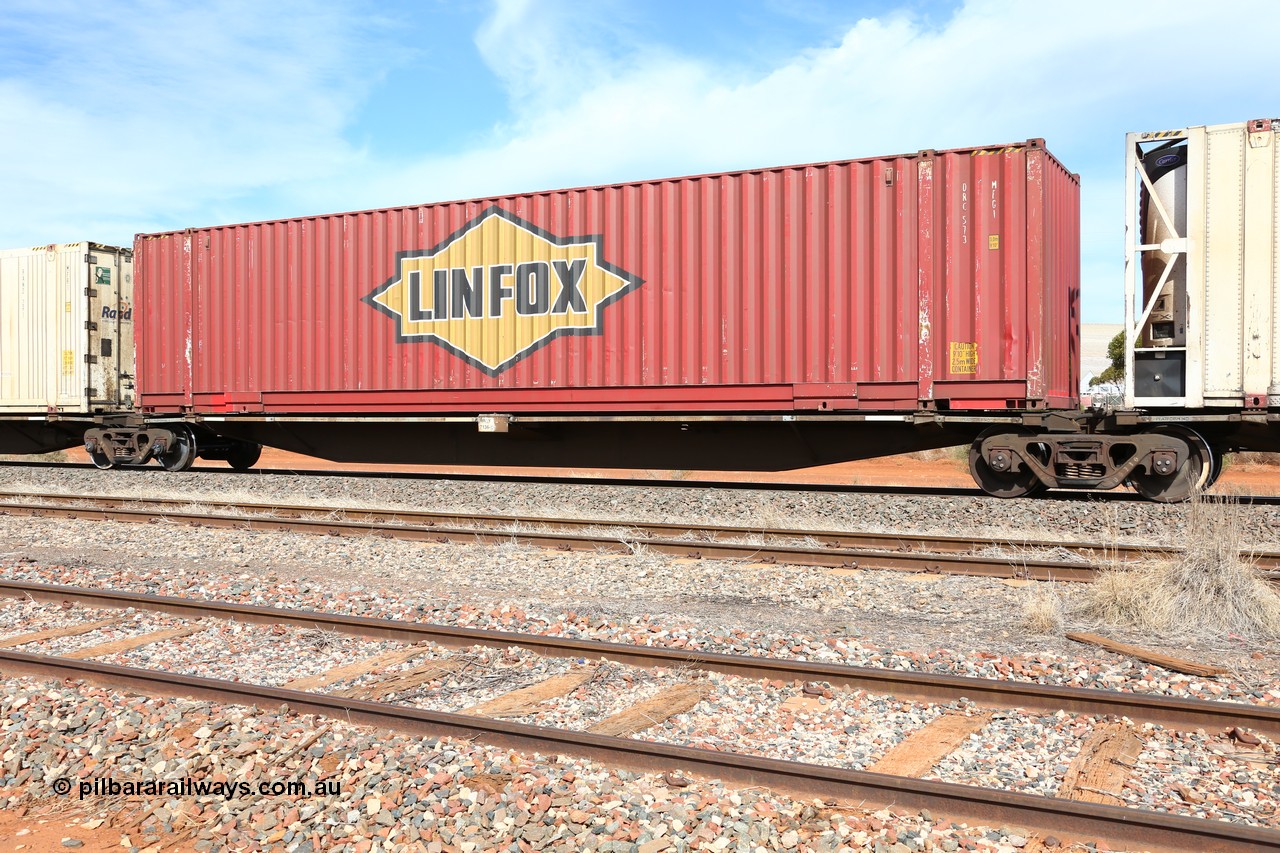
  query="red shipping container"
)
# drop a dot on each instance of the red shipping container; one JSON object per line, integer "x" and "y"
{"x": 939, "y": 280}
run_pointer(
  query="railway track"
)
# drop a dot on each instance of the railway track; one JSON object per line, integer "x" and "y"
{"x": 1115, "y": 825}
{"x": 962, "y": 555}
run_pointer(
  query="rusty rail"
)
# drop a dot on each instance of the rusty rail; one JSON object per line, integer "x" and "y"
{"x": 1175, "y": 712}
{"x": 898, "y": 551}
{"x": 1114, "y": 825}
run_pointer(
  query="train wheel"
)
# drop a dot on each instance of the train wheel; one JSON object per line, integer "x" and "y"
{"x": 243, "y": 456}
{"x": 1196, "y": 474}
{"x": 1215, "y": 467}
{"x": 101, "y": 460}
{"x": 182, "y": 455}
{"x": 1001, "y": 484}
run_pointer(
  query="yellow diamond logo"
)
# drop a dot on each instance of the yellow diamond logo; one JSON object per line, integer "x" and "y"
{"x": 499, "y": 288}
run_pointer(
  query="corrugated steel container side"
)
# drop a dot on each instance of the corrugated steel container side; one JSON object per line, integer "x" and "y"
{"x": 51, "y": 327}
{"x": 1235, "y": 242}
{"x": 1220, "y": 297}
{"x": 943, "y": 278}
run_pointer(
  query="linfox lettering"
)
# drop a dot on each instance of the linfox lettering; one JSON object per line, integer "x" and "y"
{"x": 497, "y": 292}
{"x": 460, "y": 292}
{"x": 500, "y": 288}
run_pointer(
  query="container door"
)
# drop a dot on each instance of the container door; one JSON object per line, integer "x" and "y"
{"x": 110, "y": 354}
{"x": 42, "y": 367}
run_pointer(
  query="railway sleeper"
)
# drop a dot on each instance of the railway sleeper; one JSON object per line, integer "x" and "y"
{"x": 1166, "y": 463}
{"x": 176, "y": 447}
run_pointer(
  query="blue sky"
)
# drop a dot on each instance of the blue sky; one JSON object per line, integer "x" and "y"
{"x": 121, "y": 117}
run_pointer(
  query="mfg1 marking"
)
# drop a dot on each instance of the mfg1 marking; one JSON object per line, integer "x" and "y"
{"x": 499, "y": 288}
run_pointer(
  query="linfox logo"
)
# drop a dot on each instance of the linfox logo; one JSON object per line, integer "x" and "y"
{"x": 123, "y": 314}
{"x": 499, "y": 288}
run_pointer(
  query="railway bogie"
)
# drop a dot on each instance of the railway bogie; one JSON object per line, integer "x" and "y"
{"x": 1164, "y": 462}
{"x": 176, "y": 446}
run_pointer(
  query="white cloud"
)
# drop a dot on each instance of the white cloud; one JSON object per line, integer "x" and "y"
{"x": 134, "y": 116}
{"x": 996, "y": 72}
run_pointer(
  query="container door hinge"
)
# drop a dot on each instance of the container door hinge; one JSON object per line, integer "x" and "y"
{"x": 91, "y": 392}
{"x": 90, "y": 358}
{"x": 1261, "y": 132}
{"x": 90, "y": 259}
{"x": 89, "y": 291}
{"x": 90, "y": 325}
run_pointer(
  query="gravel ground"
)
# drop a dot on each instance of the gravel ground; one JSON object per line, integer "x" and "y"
{"x": 1196, "y": 774}
{"x": 221, "y": 649}
{"x": 19, "y": 616}
{"x": 1207, "y": 776}
{"x": 966, "y": 626}
{"x": 1019, "y": 753}
{"x": 1130, "y": 521}
{"x": 488, "y": 673}
{"x": 851, "y": 729}
{"x": 394, "y": 792}
{"x": 940, "y": 624}
{"x": 240, "y": 652}
{"x": 28, "y": 617}
{"x": 842, "y": 728}
{"x": 613, "y": 688}
{"x": 881, "y": 608}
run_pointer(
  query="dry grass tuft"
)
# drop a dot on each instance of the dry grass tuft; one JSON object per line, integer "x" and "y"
{"x": 1250, "y": 458}
{"x": 320, "y": 639}
{"x": 52, "y": 456}
{"x": 957, "y": 455}
{"x": 1209, "y": 590}
{"x": 1042, "y": 611}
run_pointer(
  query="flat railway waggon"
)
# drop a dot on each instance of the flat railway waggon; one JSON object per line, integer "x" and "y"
{"x": 765, "y": 319}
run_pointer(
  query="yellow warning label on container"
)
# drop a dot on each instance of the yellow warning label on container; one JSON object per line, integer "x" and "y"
{"x": 964, "y": 357}
{"x": 68, "y": 362}
{"x": 66, "y": 306}
{"x": 993, "y": 241}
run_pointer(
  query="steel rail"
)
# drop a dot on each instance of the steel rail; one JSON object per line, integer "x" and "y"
{"x": 960, "y": 564}
{"x": 1170, "y": 711}
{"x": 830, "y": 557}
{"x": 911, "y": 542}
{"x": 1114, "y": 825}
{"x": 909, "y": 552}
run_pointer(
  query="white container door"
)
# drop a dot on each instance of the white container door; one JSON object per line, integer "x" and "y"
{"x": 109, "y": 343}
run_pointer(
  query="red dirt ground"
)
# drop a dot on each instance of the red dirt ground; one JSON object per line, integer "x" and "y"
{"x": 44, "y": 834}
{"x": 1249, "y": 478}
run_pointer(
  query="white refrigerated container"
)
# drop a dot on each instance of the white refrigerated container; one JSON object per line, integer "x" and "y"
{"x": 1203, "y": 267}
{"x": 66, "y": 330}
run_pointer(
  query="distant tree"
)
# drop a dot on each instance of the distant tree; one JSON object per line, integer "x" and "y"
{"x": 1114, "y": 373}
